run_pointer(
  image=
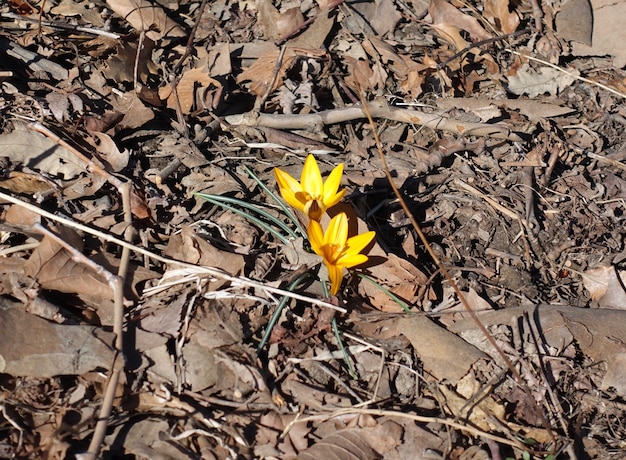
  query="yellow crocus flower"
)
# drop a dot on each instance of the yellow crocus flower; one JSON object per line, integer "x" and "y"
{"x": 337, "y": 250}
{"x": 311, "y": 195}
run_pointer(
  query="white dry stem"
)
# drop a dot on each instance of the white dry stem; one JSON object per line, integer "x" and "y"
{"x": 238, "y": 281}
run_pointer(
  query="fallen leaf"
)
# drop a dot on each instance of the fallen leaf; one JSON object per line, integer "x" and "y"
{"x": 502, "y": 15}
{"x": 347, "y": 444}
{"x": 541, "y": 81}
{"x": 606, "y": 285}
{"x": 445, "y": 16}
{"x": 574, "y": 21}
{"x": 146, "y": 16}
{"x": 33, "y": 347}
{"x": 35, "y": 151}
{"x": 192, "y": 82}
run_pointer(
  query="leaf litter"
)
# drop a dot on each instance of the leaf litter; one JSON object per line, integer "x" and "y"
{"x": 505, "y": 136}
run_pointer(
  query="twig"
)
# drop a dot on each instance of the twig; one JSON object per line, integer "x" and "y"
{"x": 117, "y": 285}
{"x": 377, "y": 109}
{"x": 258, "y": 105}
{"x": 192, "y": 35}
{"x": 199, "y": 269}
{"x": 480, "y": 43}
{"x": 413, "y": 417}
{"x": 446, "y": 274}
{"x": 63, "y": 26}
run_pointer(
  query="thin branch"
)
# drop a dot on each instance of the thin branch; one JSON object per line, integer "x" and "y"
{"x": 199, "y": 269}
{"x": 377, "y": 109}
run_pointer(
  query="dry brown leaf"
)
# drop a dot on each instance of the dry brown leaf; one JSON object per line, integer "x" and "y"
{"x": 124, "y": 65}
{"x": 543, "y": 80}
{"x": 382, "y": 15}
{"x": 28, "y": 183}
{"x": 365, "y": 76}
{"x": 52, "y": 266}
{"x": 487, "y": 414}
{"x": 261, "y": 73}
{"x": 36, "y": 151}
{"x": 189, "y": 247}
{"x": 135, "y": 113}
{"x": 397, "y": 275}
{"x": 277, "y": 25}
{"x": 534, "y": 109}
{"x": 445, "y": 355}
{"x": 109, "y": 152}
{"x": 146, "y": 16}
{"x": 574, "y": 21}
{"x": 31, "y": 346}
{"x": 447, "y": 18}
{"x": 609, "y": 33}
{"x": 347, "y": 444}
{"x": 501, "y": 14}
{"x": 192, "y": 82}
{"x": 606, "y": 285}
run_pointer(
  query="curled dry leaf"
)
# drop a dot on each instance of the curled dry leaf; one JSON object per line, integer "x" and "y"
{"x": 146, "y": 17}
{"x": 501, "y": 15}
{"x": 447, "y": 20}
{"x": 606, "y": 285}
{"x": 191, "y": 83}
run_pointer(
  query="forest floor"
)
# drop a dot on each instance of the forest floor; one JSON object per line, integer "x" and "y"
{"x": 160, "y": 300}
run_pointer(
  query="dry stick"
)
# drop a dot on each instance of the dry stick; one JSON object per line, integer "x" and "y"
{"x": 376, "y": 109}
{"x": 91, "y": 165}
{"x": 199, "y": 269}
{"x": 117, "y": 285}
{"x": 413, "y": 417}
{"x": 192, "y": 35}
{"x": 535, "y": 334}
{"x": 480, "y": 43}
{"x": 63, "y": 26}
{"x": 258, "y": 105}
{"x": 445, "y": 272}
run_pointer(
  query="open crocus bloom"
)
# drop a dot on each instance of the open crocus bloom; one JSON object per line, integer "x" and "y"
{"x": 337, "y": 250}
{"x": 311, "y": 195}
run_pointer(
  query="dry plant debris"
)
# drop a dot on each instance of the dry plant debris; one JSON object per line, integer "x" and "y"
{"x": 158, "y": 299}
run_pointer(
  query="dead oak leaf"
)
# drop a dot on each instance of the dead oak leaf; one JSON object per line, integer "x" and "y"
{"x": 500, "y": 14}
{"x": 52, "y": 266}
{"x": 448, "y": 21}
{"x": 192, "y": 82}
{"x": 146, "y": 17}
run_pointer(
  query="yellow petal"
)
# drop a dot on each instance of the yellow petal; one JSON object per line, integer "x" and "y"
{"x": 311, "y": 179}
{"x": 335, "y": 275}
{"x": 316, "y": 237}
{"x": 294, "y": 199}
{"x": 285, "y": 181}
{"x": 357, "y": 243}
{"x": 351, "y": 260}
{"x": 332, "y": 185}
{"x": 334, "y": 200}
{"x": 337, "y": 232}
